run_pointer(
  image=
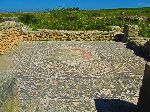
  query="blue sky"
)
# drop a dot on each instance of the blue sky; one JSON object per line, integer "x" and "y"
{"x": 35, "y": 5}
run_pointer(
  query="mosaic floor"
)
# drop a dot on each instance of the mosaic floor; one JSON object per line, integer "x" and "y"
{"x": 68, "y": 76}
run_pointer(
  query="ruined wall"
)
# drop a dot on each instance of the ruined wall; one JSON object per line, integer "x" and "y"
{"x": 10, "y": 35}
{"x": 141, "y": 45}
{"x": 141, "y": 18}
{"x": 63, "y": 35}
{"x": 12, "y": 32}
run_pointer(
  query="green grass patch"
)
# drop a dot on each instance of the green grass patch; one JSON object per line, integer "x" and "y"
{"x": 75, "y": 19}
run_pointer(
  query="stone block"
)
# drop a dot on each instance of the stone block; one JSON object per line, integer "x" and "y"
{"x": 131, "y": 30}
{"x": 116, "y": 28}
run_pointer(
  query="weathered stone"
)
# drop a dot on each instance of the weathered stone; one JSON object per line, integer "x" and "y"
{"x": 144, "y": 98}
{"x": 116, "y": 28}
{"x": 10, "y": 36}
{"x": 131, "y": 30}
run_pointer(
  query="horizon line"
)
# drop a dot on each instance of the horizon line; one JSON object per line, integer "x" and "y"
{"x": 46, "y": 9}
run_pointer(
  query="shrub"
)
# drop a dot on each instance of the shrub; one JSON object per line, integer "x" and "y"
{"x": 28, "y": 19}
{"x": 70, "y": 17}
{"x": 71, "y": 9}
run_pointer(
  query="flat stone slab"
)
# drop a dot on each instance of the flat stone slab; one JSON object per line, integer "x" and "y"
{"x": 68, "y": 76}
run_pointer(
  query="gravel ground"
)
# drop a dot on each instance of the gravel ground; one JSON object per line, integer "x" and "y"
{"x": 68, "y": 76}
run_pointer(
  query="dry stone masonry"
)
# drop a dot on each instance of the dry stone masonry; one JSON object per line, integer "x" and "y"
{"x": 131, "y": 30}
{"x": 12, "y": 32}
{"x": 62, "y": 35}
{"x": 10, "y": 35}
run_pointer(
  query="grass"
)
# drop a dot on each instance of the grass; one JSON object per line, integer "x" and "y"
{"x": 75, "y": 19}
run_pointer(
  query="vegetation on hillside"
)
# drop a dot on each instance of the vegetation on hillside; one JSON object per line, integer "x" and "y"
{"x": 75, "y": 19}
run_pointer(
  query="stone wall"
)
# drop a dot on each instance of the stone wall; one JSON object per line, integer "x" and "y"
{"x": 131, "y": 30}
{"x": 63, "y": 35}
{"x": 10, "y": 35}
{"x": 9, "y": 19}
{"x": 135, "y": 18}
{"x": 12, "y": 32}
{"x": 141, "y": 45}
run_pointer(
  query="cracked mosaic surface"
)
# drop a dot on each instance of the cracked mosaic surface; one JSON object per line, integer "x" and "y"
{"x": 68, "y": 76}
